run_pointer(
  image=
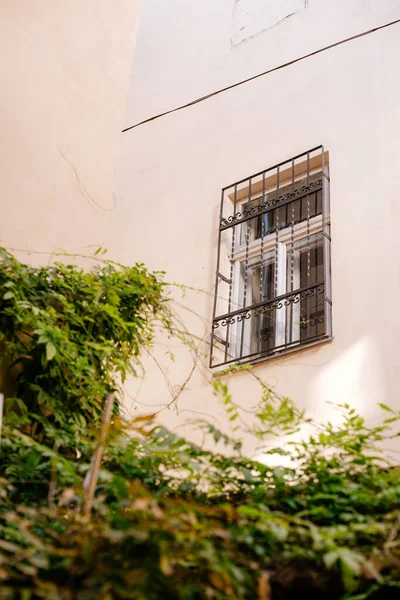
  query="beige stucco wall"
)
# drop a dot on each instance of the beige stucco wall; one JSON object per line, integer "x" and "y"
{"x": 64, "y": 75}
{"x": 62, "y": 102}
{"x": 173, "y": 169}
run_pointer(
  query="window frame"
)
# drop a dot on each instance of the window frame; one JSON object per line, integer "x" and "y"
{"x": 257, "y": 249}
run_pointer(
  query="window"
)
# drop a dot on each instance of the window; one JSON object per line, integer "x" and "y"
{"x": 272, "y": 291}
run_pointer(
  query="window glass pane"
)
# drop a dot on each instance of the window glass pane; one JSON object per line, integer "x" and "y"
{"x": 260, "y": 281}
{"x": 305, "y": 269}
{"x": 319, "y": 202}
{"x": 265, "y": 224}
{"x": 311, "y": 273}
{"x": 283, "y": 217}
{"x": 259, "y": 331}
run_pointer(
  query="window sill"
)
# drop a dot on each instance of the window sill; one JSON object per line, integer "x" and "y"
{"x": 217, "y": 371}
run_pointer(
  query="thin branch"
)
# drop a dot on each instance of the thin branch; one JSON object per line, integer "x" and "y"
{"x": 93, "y": 474}
{"x": 53, "y": 479}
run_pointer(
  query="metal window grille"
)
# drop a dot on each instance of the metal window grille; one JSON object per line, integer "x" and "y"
{"x": 272, "y": 288}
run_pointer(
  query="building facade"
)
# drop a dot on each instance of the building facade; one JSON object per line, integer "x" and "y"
{"x": 271, "y": 193}
{"x": 305, "y": 251}
{"x": 65, "y": 79}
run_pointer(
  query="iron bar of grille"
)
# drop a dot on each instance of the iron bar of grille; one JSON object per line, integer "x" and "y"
{"x": 308, "y": 245}
{"x": 292, "y": 256}
{"x": 276, "y": 350}
{"x": 323, "y": 195}
{"x": 273, "y": 168}
{"x": 237, "y": 218}
{"x": 326, "y": 254}
{"x": 245, "y": 273}
{"x": 316, "y": 267}
{"x": 262, "y": 269}
{"x": 231, "y": 273}
{"x": 220, "y": 340}
{"x": 259, "y": 305}
{"x": 276, "y": 235}
{"x": 216, "y": 281}
{"x": 225, "y": 279}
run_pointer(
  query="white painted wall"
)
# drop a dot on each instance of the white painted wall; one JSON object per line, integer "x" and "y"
{"x": 64, "y": 76}
{"x": 172, "y": 171}
{"x": 251, "y": 17}
{"x": 62, "y": 101}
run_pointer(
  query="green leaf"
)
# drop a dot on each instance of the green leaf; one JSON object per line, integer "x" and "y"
{"x": 387, "y": 408}
{"x": 50, "y": 351}
{"x": 8, "y": 295}
{"x": 249, "y": 511}
{"x": 330, "y": 558}
{"x": 247, "y": 475}
{"x": 352, "y": 560}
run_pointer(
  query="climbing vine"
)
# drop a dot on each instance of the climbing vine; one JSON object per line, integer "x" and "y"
{"x": 171, "y": 519}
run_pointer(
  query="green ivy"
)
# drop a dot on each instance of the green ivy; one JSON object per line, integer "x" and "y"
{"x": 171, "y": 520}
{"x": 68, "y": 337}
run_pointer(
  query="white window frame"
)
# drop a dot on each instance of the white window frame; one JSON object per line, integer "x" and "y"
{"x": 286, "y": 241}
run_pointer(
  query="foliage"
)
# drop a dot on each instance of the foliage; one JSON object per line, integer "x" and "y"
{"x": 171, "y": 519}
{"x": 67, "y": 338}
{"x": 67, "y": 333}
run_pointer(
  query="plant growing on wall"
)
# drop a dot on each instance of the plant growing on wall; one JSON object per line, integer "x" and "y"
{"x": 68, "y": 337}
{"x": 171, "y": 519}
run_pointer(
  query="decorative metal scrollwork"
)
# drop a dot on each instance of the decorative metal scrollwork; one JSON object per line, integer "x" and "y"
{"x": 231, "y": 219}
{"x": 269, "y": 204}
{"x": 247, "y": 313}
{"x": 314, "y": 319}
{"x": 228, "y": 321}
{"x": 244, "y": 315}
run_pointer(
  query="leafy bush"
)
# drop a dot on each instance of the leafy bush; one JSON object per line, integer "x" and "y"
{"x": 67, "y": 338}
{"x": 171, "y": 519}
